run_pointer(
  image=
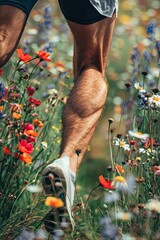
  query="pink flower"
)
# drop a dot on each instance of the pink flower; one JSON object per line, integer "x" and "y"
{"x": 29, "y": 126}
{"x": 157, "y": 172}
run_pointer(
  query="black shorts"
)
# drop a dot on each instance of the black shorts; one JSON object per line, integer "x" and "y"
{"x": 80, "y": 11}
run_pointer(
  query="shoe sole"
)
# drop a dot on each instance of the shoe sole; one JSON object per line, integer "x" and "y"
{"x": 54, "y": 184}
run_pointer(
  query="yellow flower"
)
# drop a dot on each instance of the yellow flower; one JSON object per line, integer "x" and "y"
{"x": 55, "y": 128}
{"x": 119, "y": 179}
{"x": 54, "y": 202}
{"x": 124, "y": 216}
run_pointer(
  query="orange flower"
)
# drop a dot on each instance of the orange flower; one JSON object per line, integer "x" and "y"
{"x": 1, "y": 108}
{"x": 43, "y": 56}
{"x": 25, "y": 158}
{"x": 16, "y": 115}
{"x": 25, "y": 146}
{"x": 30, "y": 133}
{"x": 54, "y": 202}
{"x": 6, "y": 150}
{"x": 105, "y": 183}
{"x": 24, "y": 57}
{"x": 38, "y": 123}
{"x": 119, "y": 168}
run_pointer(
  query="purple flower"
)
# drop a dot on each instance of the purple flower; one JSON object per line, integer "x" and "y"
{"x": 135, "y": 55}
{"x": 26, "y": 46}
{"x": 146, "y": 56}
{"x": 47, "y": 18}
{"x": 108, "y": 230}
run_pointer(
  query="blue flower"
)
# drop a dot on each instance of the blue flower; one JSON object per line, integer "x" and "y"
{"x": 158, "y": 48}
{"x": 2, "y": 91}
{"x": 151, "y": 27}
{"x": 2, "y": 115}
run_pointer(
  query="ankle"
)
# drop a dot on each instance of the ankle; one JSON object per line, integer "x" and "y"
{"x": 73, "y": 162}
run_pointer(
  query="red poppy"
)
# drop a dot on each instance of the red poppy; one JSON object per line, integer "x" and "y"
{"x": 25, "y": 147}
{"x": 43, "y": 56}
{"x": 149, "y": 142}
{"x": 6, "y": 150}
{"x": 133, "y": 143}
{"x": 105, "y": 183}
{"x": 25, "y": 158}
{"x": 1, "y": 71}
{"x": 24, "y": 57}
{"x": 30, "y": 91}
{"x": 35, "y": 101}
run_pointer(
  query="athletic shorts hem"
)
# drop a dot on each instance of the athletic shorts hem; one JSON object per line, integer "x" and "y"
{"x": 85, "y": 22}
{"x": 16, "y": 5}
{"x": 25, "y": 5}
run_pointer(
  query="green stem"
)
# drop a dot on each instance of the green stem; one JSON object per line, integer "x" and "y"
{"x": 91, "y": 194}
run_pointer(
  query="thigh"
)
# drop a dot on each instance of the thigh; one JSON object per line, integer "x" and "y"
{"x": 92, "y": 43}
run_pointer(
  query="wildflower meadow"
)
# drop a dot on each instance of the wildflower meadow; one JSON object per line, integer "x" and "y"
{"x": 118, "y": 196}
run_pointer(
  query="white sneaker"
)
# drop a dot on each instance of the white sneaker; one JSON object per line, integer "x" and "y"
{"x": 58, "y": 181}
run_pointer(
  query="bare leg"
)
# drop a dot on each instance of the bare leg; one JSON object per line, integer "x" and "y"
{"x": 88, "y": 96}
{"x": 12, "y": 21}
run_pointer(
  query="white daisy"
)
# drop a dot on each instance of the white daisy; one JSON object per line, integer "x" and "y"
{"x": 154, "y": 101}
{"x": 44, "y": 144}
{"x": 34, "y": 188}
{"x": 148, "y": 151}
{"x": 120, "y": 183}
{"x": 122, "y": 144}
{"x": 138, "y": 135}
{"x": 153, "y": 205}
{"x": 139, "y": 88}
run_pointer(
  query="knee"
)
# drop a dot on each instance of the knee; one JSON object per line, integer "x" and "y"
{"x": 89, "y": 93}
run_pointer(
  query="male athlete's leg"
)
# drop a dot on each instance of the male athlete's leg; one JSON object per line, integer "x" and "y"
{"x": 85, "y": 104}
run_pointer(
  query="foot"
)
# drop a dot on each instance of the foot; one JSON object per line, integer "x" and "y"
{"x": 58, "y": 181}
